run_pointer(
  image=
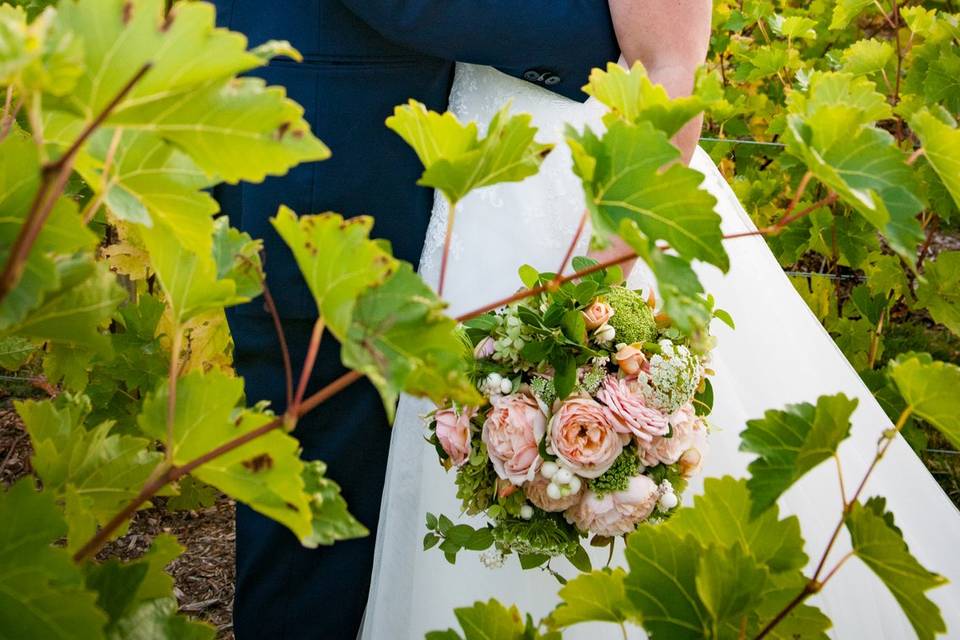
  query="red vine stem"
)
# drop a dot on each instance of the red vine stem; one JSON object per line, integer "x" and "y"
{"x": 54, "y": 179}
{"x": 815, "y": 584}
{"x": 451, "y": 216}
{"x": 281, "y": 337}
{"x": 573, "y": 242}
{"x": 311, "y": 359}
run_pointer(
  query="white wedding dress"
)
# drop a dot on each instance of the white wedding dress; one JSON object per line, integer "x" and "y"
{"x": 779, "y": 354}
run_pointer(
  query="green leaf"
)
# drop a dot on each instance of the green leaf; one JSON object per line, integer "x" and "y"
{"x": 885, "y": 276}
{"x": 624, "y": 179}
{"x": 930, "y": 390}
{"x": 14, "y": 352}
{"x": 338, "y": 260}
{"x": 158, "y": 619}
{"x": 266, "y": 473}
{"x": 192, "y": 495}
{"x": 42, "y": 594}
{"x": 721, "y": 517}
{"x": 596, "y": 596}
{"x": 40, "y": 56}
{"x": 189, "y": 280}
{"x": 485, "y": 621}
{"x": 238, "y": 258}
{"x": 235, "y": 129}
{"x": 803, "y": 623}
{"x": 72, "y": 316}
{"x": 661, "y": 584}
{"x": 939, "y": 290}
{"x": 941, "y": 147}
{"x": 456, "y": 161}
{"x": 830, "y": 90}
{"x": 401, "y": 339}
{"x": 864, "y": 57}
{"x": 878, "y": 542}
{"x": 846, "y": 10}
{"x": 102, "y": 470}
{"x": 331, "y": 520}
{"x": 730, "y": 583}
{"x": 791, "y": 442}
{"x": 633, "y": 97}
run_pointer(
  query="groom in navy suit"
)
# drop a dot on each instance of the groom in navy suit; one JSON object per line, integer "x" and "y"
{"x": 361, "y": 58}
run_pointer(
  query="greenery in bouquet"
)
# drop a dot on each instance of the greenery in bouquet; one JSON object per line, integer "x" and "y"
{"x": 594, "y": 418}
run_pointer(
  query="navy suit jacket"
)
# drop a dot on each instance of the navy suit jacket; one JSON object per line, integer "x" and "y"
{"x": 361, "y": 58}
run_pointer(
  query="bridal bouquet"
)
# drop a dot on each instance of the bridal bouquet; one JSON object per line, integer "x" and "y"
{"x": 594, "y": 421}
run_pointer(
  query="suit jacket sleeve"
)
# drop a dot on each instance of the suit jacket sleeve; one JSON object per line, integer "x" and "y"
{"x": 553, "y": 43}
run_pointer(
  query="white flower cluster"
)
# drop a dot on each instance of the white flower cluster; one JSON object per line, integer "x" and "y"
{"x": 563, "y": 481}
{"x": 492, "y": 558}
{"x": 668, "y": 498}
{"x": 673, "y": 378}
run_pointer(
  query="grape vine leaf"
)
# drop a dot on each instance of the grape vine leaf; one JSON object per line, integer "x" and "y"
{"x": 867, "y": 56}
{"x": 721, "y": 517}
{"x": 930, "y": 390}
{"x": 192, "y": 494}
{"x": 624, "y": 178}
{"x": 338, "y": 260}
{"x": 632, "y": 96}
{"x": 14, "y": 352}
{"x": 941, "y": 147}
{"x": 238, "y": 258}
{"x": 791, "y": 442}
{"x": 265, "y": 473}
{"x": 491, "y": 621}
{"x": 101, "y": 470}
{"x": 330, "y": 518}
{"x": 42, "y": 594}
{"x": 939, "y": 290}
{"x": 87, "y": 297}
{"x": 846, "y": 10}
{"x": 190, "y": 281}
{"x": 859, "y": 97}
{"x": 401, "y": 339}
{"x": 884, "y": 274}
{"x": 456, "y": 161}
{"x": 877, "y": 541}
{"x": 63, "y": 234}
{"x": 39, "y": 56}
{"x": 805, "y": 622}
{"x": 595, "y": 596}
{"x": 158, "y": 618}
{"x": 730, "y": 583}
{"x": 234, "y": 129}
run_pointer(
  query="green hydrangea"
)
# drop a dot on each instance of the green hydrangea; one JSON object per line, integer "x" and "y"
{"x": 617, "y": 477}
{"x": 476, "y": 482}
{"x": 632, "y": 318}
{"x": 546, "y": 533}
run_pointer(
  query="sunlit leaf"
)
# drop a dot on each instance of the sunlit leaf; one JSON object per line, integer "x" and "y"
{"x": 880, "y": 545}
{"x": 930, "y": 390}
{"x": 791, "y": 442}
{"x": 330, "y": 518}
{"x": 595, "y": 596}
{"x": 941, "y": 146}
{"x": 486, "y": 621}
{"x": 846, "y": 10}
{"x": 39, "y": 56}
{"x": 939, "y": 290}
{"x": 456, "y": 161}
{"x": 864, "y": 57}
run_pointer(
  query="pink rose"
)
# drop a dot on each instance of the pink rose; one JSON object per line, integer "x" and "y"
{"x": 536, "y": 492}
{"x": 631, "y": 360}
{"x": 453, "y": 432}
{"x": 688, "y": 440}
{"x": 597, "y": 314}
{"x": 615, "y": 513}
{"x": 583, "y": 438}
{"x": 512, "y": 432}
{"x": 484, "y": 348}
{"x": 627, "y": 411}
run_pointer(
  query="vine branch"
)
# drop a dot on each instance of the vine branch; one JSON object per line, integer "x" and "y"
{"x": 54, "y": 178}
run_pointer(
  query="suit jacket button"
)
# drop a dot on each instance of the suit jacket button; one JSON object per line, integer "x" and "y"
{"x": 532, "y": 75}
{"x": 551, "y": 80}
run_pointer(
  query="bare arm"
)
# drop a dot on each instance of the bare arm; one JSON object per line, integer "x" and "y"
{"x": 670, "y": 38}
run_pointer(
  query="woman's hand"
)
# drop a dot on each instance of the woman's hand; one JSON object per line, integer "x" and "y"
{"x": 670, "y": 38}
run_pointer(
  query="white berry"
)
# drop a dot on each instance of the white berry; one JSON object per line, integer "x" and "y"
{"x": 564, "y": 476}
{"x": 574, "y": 484}
{"x": 494, "y": 378}
{"x": 526, "y": 512}
{"x": 549, "y": 469}
{"x": 668, "y": 501}
{"x": 554, "y": 491}
{"x": 506, "y": 386}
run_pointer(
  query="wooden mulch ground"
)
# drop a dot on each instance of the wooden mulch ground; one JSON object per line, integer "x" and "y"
{"x": 203, "y": 575}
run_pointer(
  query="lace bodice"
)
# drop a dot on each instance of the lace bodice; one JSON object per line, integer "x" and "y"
{"x": 499, "y": 228}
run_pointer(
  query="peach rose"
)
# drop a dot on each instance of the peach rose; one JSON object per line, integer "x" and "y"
{"x": 615, "y": 513}
{"x": 687, "y": 443}
{"x": 630, "y": 359}
{"x": 512, "y": 432}
{"x": 626, "y": 410}
{"x": 536, "y": 492}
{"x": 453, "y": 432}
{"x": 597, "y": 314}
{"x": 583, "y": 438}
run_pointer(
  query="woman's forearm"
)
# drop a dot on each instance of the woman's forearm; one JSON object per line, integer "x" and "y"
{"x": 670, "y": 38}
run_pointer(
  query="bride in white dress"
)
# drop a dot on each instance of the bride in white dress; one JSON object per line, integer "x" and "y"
{"x": 779, "y": 354}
